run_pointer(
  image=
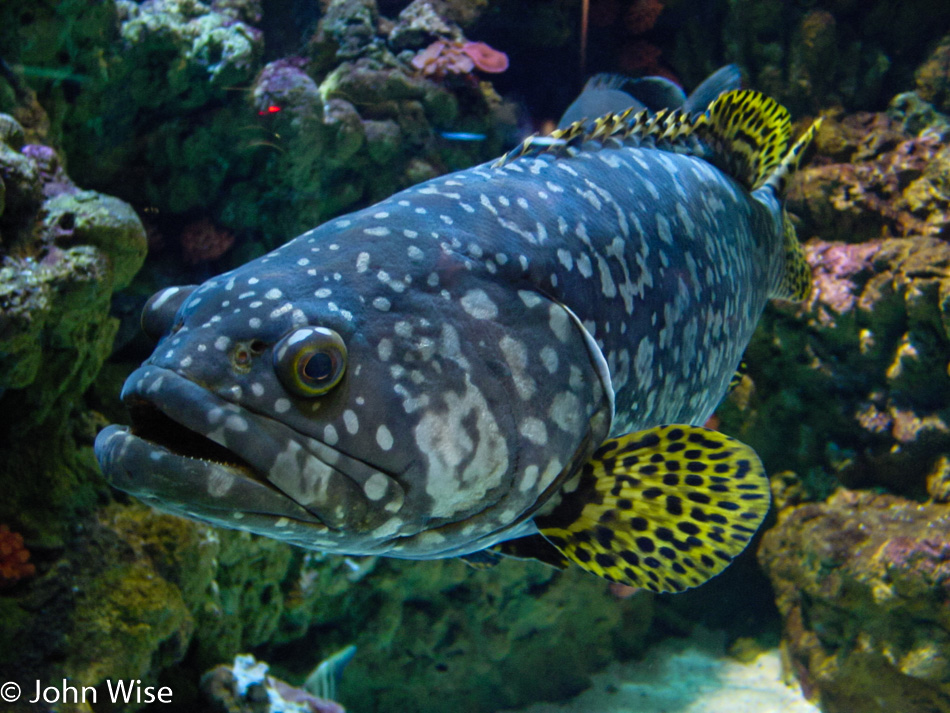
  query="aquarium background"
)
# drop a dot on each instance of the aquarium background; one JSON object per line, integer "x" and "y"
{"x": 159, "y": 143}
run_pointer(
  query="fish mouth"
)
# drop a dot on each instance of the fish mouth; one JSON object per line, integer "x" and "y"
{"x": 192, "y": 453}
{"x": 150, "y": 424}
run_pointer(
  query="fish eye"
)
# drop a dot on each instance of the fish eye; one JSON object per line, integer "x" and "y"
{"x": 310, "y": 361}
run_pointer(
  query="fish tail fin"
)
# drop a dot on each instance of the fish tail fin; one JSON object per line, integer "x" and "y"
{"x": 664, "y": 509}
{"x": 747, "y": 135}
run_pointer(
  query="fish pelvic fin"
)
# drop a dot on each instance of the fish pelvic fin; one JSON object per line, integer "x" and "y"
{"x": 747, "y": 134}
{"x": 533, "y": 547}
{"x": 664, "y": 509}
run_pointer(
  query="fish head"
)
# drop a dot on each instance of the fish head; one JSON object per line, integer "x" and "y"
{"x": 419, "y": 407}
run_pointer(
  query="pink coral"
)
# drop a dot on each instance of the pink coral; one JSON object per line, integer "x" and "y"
{"x": 202, "y": 241}
{"x": 443, "y": 57}
{"x": 14, "y": 557}
{"x": 486, "y": 58}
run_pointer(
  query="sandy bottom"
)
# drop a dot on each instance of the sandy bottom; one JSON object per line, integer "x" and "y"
{"x": 687, "y": 676}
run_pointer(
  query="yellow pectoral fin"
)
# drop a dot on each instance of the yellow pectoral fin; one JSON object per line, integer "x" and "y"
{"x": 666, "y": 509}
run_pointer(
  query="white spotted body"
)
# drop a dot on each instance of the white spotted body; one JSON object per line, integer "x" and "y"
{"x": 500, "y": 323}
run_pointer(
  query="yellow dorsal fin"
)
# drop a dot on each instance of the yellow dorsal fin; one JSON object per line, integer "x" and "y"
{"x": 778, "y": 178}
{"x": 747, "y": 134}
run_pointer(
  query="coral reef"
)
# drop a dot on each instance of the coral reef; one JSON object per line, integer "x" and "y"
{"x": 245, "y": 685}
{"x": 932, "y": 78}
{"x": 874, "y": 178}
{"x": 14, "y": 558}
{"x": 812, "y": 55}
{"x": 863, "y": 582}
{"x": 855, "y": 380}
{"x": 181, "y": 116}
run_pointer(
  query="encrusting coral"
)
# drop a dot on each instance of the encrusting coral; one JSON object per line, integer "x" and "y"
{"x": 14, "y": 558}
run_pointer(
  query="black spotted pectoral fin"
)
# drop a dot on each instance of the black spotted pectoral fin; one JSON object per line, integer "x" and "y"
{"x": 666, "y": 509}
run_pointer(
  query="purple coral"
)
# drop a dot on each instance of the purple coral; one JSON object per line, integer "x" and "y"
{"x": 52, "y": 176}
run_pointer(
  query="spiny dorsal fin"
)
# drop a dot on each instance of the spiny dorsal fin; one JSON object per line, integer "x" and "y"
{"x": 747, "y": 133}
{"x": 670, "y": 126}
{"x": 665, "y": 509}
{"x": 743, "y": 132}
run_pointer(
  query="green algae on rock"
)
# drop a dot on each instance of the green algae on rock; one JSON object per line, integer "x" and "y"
{"x": 863, "y": 583}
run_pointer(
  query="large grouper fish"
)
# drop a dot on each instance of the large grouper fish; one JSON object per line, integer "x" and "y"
{"x": 514, "y": 359}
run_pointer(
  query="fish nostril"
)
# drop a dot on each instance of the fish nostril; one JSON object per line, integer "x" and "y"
{"x": 258, "y": 346}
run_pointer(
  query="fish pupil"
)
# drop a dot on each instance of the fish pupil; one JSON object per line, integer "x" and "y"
{"x": 319, "y": 367}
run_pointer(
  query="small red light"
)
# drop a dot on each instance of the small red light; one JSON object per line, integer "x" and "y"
{"x": 272, "y": 109}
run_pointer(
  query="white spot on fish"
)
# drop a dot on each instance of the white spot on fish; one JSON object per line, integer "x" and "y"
{"x": 375, "y": 486}
{"x": 565, "y": 257}
{"x": 534, "y": 430}
{"x": 351, "y": 422}
{"x": 362, "y": 262}
{"x": 479, "y": 305}
{"x": 330, "y": 436}
{"x": 663, "y": 229}
{"x": 379, "y": 231}
{"x": 549, "y": 359}
{"x": 559, "y": 321}
{"x": 516, "y": 355}
{"x": 282, "y": 405}
{"x": 530, "y": 299}
{"x": 382, "y": 304}
{"x": 163, "y": 297}
{"x": 529, "y": 478}
{"x": 273, "y": 294}
{"x": 384, "y": 439}
{"x": 236, "y": 423}
{"x": 566, "y": 412}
